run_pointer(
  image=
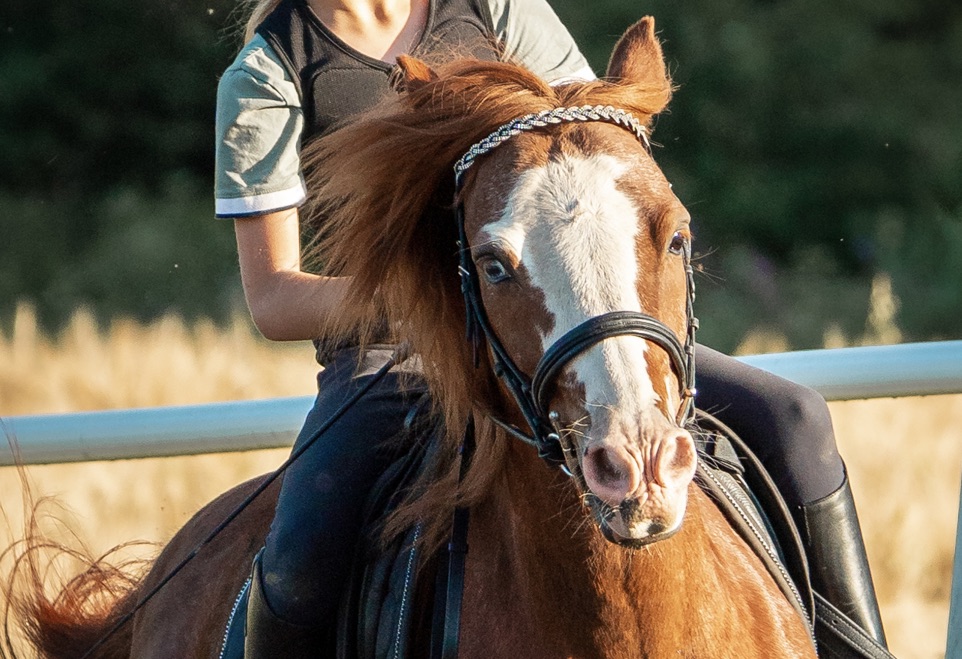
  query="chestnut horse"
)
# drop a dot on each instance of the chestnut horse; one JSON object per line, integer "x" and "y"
{"x": 566, "y": 219}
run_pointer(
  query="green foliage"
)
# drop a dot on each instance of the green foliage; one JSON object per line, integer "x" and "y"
{"x": 811, "y": 128}
{"x": 816, "y": 144}
{"x": 104, "y": 92}
{"x": 106, "y": 155}
{"x": 153, "y": 252}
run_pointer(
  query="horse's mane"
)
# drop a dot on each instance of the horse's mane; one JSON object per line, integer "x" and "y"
{"x": 380, "y": 196}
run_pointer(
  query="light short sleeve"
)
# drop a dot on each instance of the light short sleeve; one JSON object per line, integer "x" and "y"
{"x": 535, "y": 37}
{"x": 258, "y": 127}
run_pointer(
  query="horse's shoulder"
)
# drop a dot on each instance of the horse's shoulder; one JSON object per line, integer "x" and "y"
{"x": 253, "y": 521}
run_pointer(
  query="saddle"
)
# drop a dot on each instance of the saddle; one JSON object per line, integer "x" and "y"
{"x": 385, "y": 616}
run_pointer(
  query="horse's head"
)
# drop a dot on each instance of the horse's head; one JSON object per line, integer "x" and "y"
{"x": 578, "y": 252}
{"x": 575, "y": 261}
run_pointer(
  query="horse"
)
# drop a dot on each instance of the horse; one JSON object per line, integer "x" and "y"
{"x": 569, "y": 254}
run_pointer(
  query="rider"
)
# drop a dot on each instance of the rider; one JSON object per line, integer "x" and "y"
{"x": 305, "y": 66}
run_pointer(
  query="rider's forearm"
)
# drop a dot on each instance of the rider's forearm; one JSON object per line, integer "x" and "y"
{"x": 295, "y": 305}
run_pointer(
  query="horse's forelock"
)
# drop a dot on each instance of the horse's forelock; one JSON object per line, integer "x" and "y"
{"x": 373, "y": 182}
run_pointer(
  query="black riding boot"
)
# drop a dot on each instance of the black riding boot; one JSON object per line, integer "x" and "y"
{"x": 836, "y": 557}
{"x": 269, "y": 636}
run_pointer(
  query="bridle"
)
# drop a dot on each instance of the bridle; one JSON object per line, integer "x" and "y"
{"x": 532, "y": 394}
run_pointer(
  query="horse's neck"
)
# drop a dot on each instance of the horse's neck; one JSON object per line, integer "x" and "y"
{"x": 541, "y": 562}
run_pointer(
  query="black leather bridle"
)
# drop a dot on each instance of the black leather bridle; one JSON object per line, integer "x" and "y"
{"x": 532, "y": 394}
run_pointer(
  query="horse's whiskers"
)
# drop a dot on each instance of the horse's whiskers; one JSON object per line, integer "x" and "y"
{"x": 582, "y": 522}
{"x": 574, "y": 429}
{"x": 608, "y": 407}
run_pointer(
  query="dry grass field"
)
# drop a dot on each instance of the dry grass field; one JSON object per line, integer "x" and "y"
{"x": 904, "y": 455}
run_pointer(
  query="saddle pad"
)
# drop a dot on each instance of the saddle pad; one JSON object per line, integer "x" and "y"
{"x": 232, "y": 646}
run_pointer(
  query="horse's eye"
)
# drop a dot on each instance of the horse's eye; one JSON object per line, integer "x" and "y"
{"x": 677, "y": 244}
{"x": 493, "y": 270}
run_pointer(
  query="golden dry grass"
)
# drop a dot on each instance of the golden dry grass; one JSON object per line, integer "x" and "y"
{"x": 904, "y": 455}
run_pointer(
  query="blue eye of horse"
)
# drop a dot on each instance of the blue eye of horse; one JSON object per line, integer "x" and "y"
{"x": 494, "y": 271}
{"x": 677, "y": 244}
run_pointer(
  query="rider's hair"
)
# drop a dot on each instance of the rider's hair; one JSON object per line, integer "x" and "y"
{"x": 259, "y": 11}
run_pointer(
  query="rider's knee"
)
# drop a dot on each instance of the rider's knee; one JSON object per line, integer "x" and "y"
{"x": 803, "y": 413}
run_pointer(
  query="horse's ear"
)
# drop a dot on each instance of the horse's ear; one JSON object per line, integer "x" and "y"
{"x": 637, "y": 56}
{"x": 414, "y": 73}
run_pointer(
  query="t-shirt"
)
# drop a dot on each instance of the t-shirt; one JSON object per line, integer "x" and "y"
{"x": 260, "y": 119}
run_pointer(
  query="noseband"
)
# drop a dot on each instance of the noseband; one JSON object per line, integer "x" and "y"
{"x": 533, "y": 394}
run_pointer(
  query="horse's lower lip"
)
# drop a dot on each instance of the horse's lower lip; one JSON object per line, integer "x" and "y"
{"x": 618, "y": 528}
{"x": 614, "y": 530}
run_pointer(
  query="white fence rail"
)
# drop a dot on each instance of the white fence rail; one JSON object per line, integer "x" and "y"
{"x": 838, "y": 374}
{"x": 155, "y": 431}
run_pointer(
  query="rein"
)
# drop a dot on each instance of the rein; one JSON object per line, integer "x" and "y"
{"x": 532, "y": 394}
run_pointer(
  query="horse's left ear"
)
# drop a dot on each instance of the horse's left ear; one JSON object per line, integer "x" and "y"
{"x": 414, "y": 74}
{"x": 637, "y": 57}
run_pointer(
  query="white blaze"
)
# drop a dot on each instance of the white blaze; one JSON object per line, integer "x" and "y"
{"x": 575, "y": 231}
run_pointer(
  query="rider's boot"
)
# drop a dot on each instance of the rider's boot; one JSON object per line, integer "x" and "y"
{"x": 836, "y": 554}
{"x": 267, "y": 635}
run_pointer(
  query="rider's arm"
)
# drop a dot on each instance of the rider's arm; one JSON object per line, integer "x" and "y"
{"x": 258, "y": 184}
{"x": 534, "y": 36}
{"x": 286, "y": 303}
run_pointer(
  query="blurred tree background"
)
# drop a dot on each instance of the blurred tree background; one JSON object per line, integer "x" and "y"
{"x": 817, "y": 144}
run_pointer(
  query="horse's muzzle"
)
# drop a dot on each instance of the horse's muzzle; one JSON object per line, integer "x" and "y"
{"x": 639, "y": 496}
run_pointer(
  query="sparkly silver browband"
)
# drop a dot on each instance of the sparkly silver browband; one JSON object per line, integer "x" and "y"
{"x": 556, "y": 116}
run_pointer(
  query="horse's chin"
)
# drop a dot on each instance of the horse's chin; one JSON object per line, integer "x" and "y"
{"x": 635, "y": 536}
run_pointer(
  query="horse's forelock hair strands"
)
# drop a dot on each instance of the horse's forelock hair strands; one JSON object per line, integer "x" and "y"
{"x": 381, "y": 188}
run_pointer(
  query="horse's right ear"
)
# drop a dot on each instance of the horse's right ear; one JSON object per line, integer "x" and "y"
{"x": 414, "y": 74}
{"x": 637, "y": 56}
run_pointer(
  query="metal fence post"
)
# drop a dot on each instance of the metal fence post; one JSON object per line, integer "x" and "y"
{"x": 953, "y": 646}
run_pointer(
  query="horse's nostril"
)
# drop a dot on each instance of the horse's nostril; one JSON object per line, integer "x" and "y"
{"x": 675, "y": 462}
{"x": 607, "y": 470}
{"x": 611, "y": 474}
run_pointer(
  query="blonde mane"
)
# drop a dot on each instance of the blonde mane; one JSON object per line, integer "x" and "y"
{"x": 381, "y": 191}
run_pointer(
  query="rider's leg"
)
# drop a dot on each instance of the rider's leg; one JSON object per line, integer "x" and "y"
{"x": 266, "y": 634}
{"x": 304, "y": 565}
{"x": 790, "y": 429}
